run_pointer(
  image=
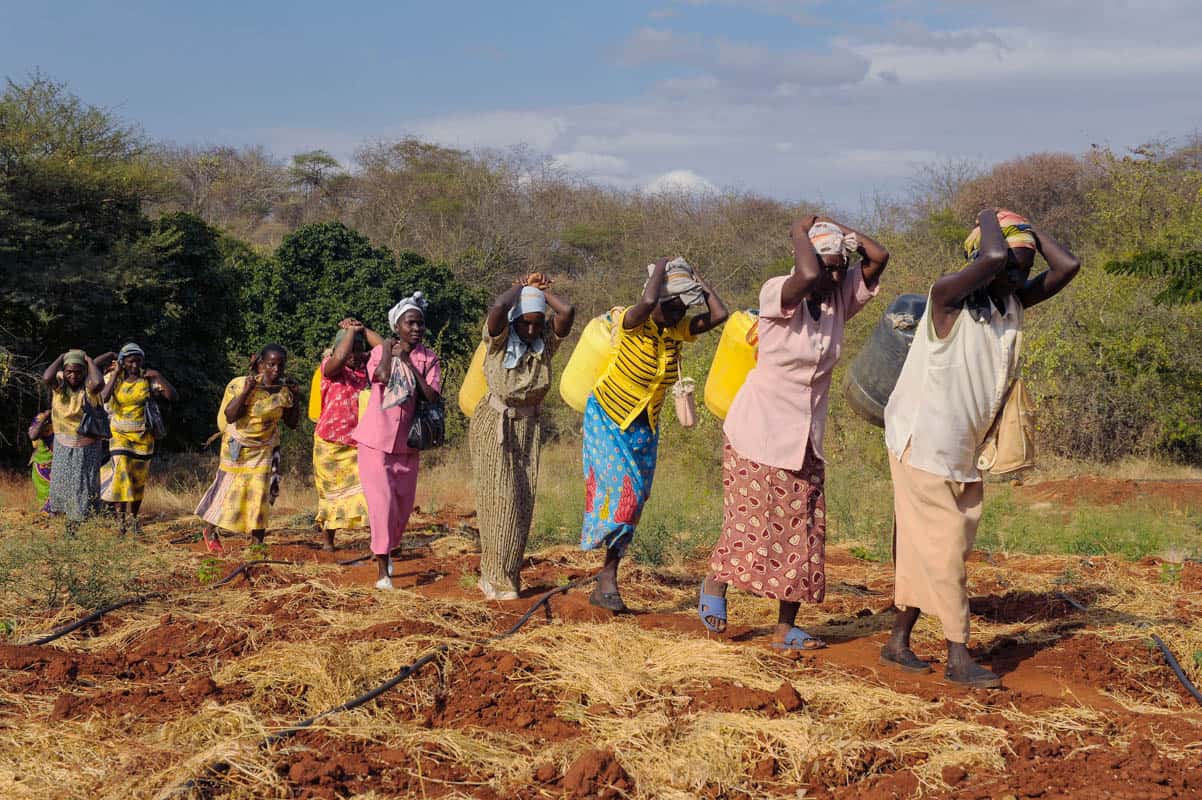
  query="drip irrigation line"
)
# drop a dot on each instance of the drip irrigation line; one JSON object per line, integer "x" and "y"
{"x": 405, "y": 673}
{"x": 58, "y": 633}
{"x": 1177, "y": 670}
{"x": 245, "y": 567}
{"x": 1169, "y": 658}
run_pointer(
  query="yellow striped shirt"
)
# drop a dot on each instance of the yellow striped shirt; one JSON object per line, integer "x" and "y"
{"x": 646, "y": 363}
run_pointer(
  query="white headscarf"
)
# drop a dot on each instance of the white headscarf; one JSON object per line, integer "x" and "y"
{"x": 828, "y": 240}
{"x": 531, "y": 300}
{"x": 414, "y": 302}
{"x": 402, "y": 382}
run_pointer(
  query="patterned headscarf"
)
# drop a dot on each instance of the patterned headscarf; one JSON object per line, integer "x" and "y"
{"x": 679, "y": 281}
{"x": 1017, "y": 231}
{"x": 1015, "y": 228}
{"x": 414, "y": 302}
{"x": 75, "y": 358}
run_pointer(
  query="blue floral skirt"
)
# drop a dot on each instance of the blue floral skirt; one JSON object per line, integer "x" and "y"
{"x": 619, "y": 466}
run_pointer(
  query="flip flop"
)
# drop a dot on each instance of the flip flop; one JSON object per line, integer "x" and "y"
{"x": 610, "y": 601}
{"x": 797, "y": 639}
{"x": 711, "y": 605}
{"x": 214, "y": 546}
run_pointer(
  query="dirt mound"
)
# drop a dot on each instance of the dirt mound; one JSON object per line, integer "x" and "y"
{"x": 1109, "y": 491}
{"x": 1042, "y": 769}
{"x": 147, "y": 703}
{"x": 484, "y": 690}
{"x": 597, "y": 773}
{"x": 1023, "y": 606}
{"x": 723, "y": 695}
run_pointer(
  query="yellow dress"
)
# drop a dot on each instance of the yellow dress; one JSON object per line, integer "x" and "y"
{"x": 123, "y": 479}
{"x": 245, "y": 486}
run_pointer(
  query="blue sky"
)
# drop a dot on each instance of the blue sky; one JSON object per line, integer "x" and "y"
{"x": 793, "y": 98}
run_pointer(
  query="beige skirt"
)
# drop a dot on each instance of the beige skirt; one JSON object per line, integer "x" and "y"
{"x": 936, "y": 524}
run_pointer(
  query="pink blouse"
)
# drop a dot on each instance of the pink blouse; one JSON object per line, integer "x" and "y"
{"x": 388, "y": 429}
{"x": 781, "y": 408}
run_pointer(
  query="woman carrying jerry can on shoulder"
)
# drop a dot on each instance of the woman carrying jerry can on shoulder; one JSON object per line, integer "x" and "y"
{"x": 773, "y": 541}
{"x": 621, "y": 419}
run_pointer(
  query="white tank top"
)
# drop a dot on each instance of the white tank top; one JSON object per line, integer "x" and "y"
{"x": 950, "y": 390}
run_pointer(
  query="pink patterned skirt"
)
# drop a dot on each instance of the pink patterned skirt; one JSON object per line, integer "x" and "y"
{"x": 773, "y": 541}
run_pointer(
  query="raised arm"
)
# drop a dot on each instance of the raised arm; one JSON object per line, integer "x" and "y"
{"x": 95, "y": 379}
{"x": 50, "y": 376}
{"x": 160, "y": 385}
{"x": 949, "y": 292}
{"x": 565, "y": 313}
{"x": 237, "y": 405}
{"x": 110, "y": 384}
{"x": 1062, "y": 268}
{"x": 342, "y": 353}
{"x": 638, "y": 313}
{"x": 875, "y": 256}
{"x": 806, "y": 266}
{"x": 498, "y": 313}
{"x": 715, "y": 313}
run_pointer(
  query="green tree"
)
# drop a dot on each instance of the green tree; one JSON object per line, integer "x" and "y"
{"x": 324, "y": 272}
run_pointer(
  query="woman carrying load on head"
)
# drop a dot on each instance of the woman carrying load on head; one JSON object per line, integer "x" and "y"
{"x": 951, "y": 387}
{"x": 400, "y": 368}
{"x": 506, "y": 429}
{"x": 125, "y": 394}
{"x": 73, "y": 380}
{"x": 340, "y": 501}
{"x": 41, "y": 436}
{"x": 773, "y": 541}
{"x": 621, "y": 420}
{"x": 248, "y": 476}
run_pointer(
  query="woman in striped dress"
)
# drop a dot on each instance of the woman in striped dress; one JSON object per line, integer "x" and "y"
{"x": 621, "y": 420}
{"x": 506, "y": 429}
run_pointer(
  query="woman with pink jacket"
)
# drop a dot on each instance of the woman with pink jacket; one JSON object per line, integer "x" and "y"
{"x": 399, "y": 368}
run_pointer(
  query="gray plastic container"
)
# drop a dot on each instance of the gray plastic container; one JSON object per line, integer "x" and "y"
{"x": 874, "y": 372}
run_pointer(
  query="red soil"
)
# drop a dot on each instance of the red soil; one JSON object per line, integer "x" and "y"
{"x": 1112, "y": 492}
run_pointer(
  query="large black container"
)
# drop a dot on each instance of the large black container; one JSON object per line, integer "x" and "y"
{"x": 874, "y": 372}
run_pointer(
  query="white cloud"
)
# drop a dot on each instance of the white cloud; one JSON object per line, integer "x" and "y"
{"x": 587, "y": 163}
{"x": 494, "y": 129}
{"x": 679, "y": 181}
{"x": 745, "y": 65}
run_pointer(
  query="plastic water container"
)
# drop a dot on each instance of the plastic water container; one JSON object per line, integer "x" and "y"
{"x": 874, "y": 372}
{"x": 734, "y": 358}
{"x": 589, "y": 360}
{"x": 315, "y": 395}
{"x": 474, "y": 386}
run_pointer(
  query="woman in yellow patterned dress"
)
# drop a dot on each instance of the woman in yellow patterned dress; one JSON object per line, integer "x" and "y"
{"x": 125, "y": 394}
{"x": 248, "y": 477}
{"x": 340, "y": 501}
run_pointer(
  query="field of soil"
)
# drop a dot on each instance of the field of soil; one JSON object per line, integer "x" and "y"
{"x": 180, "y": 695}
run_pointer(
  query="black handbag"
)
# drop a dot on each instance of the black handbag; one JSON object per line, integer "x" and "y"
{"x": 154, "y": 419}
{"x": 95, "y": 422}
{"x": 429, "y": 426}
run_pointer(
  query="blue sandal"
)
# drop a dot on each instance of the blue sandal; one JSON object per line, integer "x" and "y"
{"x": 711, "y": 605}
{"x": 797, "y": 639}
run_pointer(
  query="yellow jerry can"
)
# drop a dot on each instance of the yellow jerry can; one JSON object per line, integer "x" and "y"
{"x": 589, "y": 360}
{"x": 315, "y": 397}
{"x": 474, "y": 387}
{"x": 734, "y": 358}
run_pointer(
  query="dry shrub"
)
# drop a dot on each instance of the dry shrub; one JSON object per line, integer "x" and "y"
{"x": 1047, "y": 188}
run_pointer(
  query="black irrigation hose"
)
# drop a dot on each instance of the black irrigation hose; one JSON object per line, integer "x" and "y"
{"x": 58, "y": 633}
{"x": 1164, "y": 650}
{"x": 406, "y": 672}
{"x": 1177, "y": 670}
